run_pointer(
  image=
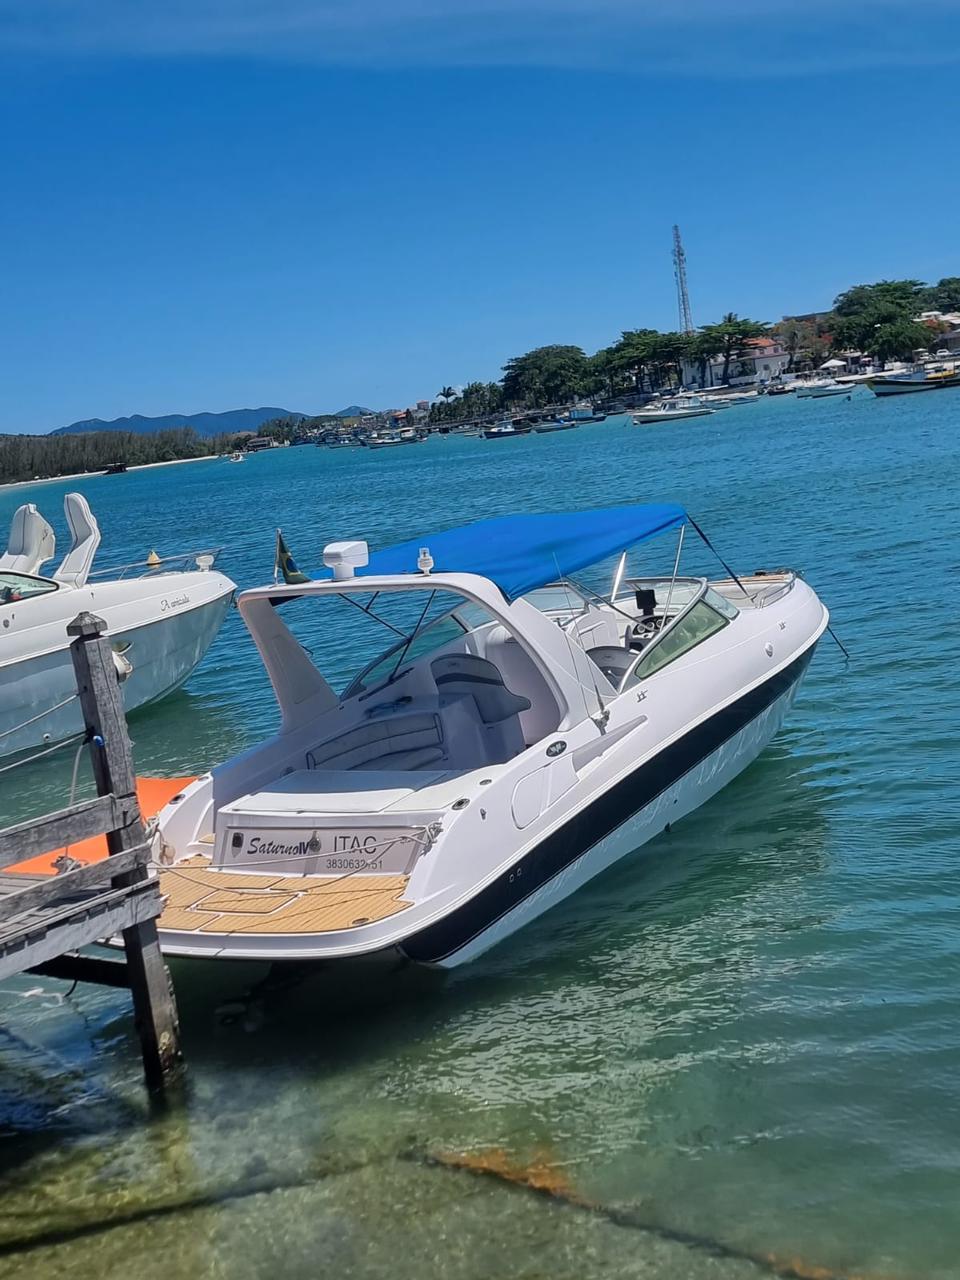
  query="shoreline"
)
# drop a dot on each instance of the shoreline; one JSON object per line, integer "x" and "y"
{"x": 86, "y": 475}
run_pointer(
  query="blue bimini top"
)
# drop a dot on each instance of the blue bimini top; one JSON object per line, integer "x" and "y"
{"x": 520, "y": 553}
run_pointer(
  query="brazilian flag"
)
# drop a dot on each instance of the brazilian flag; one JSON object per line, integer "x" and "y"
{"x": 286, "y": 564}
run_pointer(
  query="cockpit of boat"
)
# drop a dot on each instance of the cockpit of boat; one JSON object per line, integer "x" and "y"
{"x": 461, "y": 692}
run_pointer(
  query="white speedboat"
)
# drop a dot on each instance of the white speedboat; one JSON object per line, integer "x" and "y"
{"x": 238, "y": 456}
{"x": 161, "y": 616}
{"x": 817, "y": 388}
{"x": 672, "y": 409}
{"x": 521, "y": 734}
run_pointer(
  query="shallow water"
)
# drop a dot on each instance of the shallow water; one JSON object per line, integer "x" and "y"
{"x": 744, "y": 1044}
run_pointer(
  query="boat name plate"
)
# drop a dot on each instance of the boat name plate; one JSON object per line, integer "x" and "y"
{"x": 326, "y": 851}
{"x": 177, "y": 602}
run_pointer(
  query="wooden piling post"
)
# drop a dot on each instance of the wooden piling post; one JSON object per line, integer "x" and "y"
{"x": 102, "y": 708}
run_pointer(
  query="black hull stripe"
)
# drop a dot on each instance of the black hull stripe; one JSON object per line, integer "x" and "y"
{"x": 602, "y": 816}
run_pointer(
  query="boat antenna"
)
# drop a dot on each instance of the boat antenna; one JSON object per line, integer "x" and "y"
{"x": 673, "y": 580}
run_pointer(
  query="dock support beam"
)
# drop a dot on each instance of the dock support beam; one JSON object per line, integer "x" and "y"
{"x": 106, "y": 731}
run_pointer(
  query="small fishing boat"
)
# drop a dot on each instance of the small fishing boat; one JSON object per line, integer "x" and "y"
{"x": 584, "y": 412}
{"x": 672, "y": 409}
{"x": 238, "y": 456}
{"x": 385, "y": 440}
{"x": 507, "y": 430}
{"x": 817, "y": 388}
{"x": 161, "y": 616}
{"x": 898, "y": 384}
{"x": 115, "y": 469}
{"x": 520, "y": 733}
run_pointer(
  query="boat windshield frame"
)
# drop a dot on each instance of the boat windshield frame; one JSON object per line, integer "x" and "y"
{"x": 725, "y": 609}
{"x": 401, "y": 648}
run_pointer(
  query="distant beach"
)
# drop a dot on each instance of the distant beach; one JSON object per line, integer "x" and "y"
{"x": 85, "y": 475}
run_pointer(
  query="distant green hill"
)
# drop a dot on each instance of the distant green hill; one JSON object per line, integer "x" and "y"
{"x": 205, "y": 424}
{"x": 352, "y": 411}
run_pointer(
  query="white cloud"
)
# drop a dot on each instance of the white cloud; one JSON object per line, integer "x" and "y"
{"x": 672, "y": 36}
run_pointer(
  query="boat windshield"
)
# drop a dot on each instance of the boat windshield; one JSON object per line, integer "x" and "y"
{"x": 558, "y": 600}
{"x": 450, "y": 627}
{"x": 22, "y": 586}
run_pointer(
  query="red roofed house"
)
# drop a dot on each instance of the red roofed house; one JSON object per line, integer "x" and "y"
{"x": 762, "y": 359}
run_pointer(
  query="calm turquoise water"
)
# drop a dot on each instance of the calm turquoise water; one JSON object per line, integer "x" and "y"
{"x": 748, "y": 1036}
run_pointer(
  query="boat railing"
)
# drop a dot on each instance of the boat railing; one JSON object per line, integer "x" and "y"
{"x": 154, "y": 565}
{"x": 757, "y": 590}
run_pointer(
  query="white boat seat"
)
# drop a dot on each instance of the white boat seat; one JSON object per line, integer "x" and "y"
{"x": 464, "y": 673}
{"x": 519, "y": 671}
{"x": 386, "y": 742}
{"x": 462, "y": 676}
{"x": 85, "y": 533}
{"x": 31, "y": 541}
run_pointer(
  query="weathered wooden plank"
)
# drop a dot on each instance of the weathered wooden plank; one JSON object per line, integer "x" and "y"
{"x": 154, "y": 1006}
{"x": 102, "y": 916}
{"x": 52, "y": 889}
{"x": 29, "y": 923}
{"x": 66, "y": 826}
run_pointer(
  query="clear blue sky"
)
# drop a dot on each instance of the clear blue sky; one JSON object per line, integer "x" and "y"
{"x": 211, "y": 204}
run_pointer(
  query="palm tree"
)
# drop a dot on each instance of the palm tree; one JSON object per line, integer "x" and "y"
{"x": 447, "y": 394}
{"x": 730, "y": 337}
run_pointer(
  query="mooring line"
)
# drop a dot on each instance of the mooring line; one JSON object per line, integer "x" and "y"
{"x": 547, "y": 1181}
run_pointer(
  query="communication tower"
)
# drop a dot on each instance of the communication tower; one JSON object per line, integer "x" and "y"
{"x": 680, "y": 273}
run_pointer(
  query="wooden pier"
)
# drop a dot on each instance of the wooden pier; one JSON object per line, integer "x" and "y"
{"x": 45, "y": 920}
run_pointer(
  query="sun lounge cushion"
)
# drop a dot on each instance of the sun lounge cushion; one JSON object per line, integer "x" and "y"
{"x": 387, "y": 742}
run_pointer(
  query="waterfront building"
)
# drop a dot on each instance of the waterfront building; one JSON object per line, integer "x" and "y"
{"x": 761, "y": 360}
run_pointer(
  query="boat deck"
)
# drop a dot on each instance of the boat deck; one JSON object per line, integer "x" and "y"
{"x": 200, "y": 899}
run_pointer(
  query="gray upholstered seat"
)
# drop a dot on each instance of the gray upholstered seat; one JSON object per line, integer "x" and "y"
{"x": 387, "y": 742}
{"x": 464, "y": 673}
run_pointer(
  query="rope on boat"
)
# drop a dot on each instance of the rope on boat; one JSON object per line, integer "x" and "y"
{"x": 48, "y": 751}
{"x": 424, "y": 838}
{"x": 33, "y": 719}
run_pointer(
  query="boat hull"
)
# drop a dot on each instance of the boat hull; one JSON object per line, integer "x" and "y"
{"x": 902, "y": 387}
{"x": 644, "y": 803}
{"x": 640, "y": 802}
{"x": 820, "y": 393}
{"x": 163, "y": 652}
{"x": 669, "y": 415}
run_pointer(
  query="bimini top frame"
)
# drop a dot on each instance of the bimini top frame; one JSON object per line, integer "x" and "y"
{"x": 491, "y": 562}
